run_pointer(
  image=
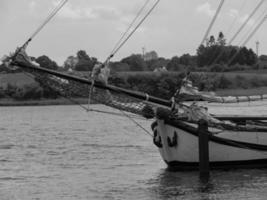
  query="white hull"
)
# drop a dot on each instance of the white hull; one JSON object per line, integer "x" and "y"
{"x": 226, "y": 149}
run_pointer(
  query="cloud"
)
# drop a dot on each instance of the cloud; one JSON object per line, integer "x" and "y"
{"x": 32, "y": 5}
{"x": 233, "y": 13}
{"x": 242, "y": 20}
{"x": 3, "y": 7}
{"x": 107, "y": 13}
{"x": 69, "y": 11}
{"x": 206, "y": 9}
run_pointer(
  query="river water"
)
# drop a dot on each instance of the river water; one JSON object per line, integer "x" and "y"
{"x": 63, "y": 152}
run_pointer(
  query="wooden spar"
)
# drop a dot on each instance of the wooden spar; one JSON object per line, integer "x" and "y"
{"x": 97, "y": 84}
{"x": 134, "y": 94}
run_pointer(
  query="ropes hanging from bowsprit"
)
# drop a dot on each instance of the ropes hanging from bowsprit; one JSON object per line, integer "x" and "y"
{"x": 73, "y": 86}
{"x": 99, "y": 92}
{"x": 125, "y": 100}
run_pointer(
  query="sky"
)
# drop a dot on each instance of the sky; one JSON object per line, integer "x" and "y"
{"x": 175, "y": 27}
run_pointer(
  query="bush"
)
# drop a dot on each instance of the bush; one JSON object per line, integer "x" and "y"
{"x": 256, "y": 82}
{"x": 224, "y": 83}
{"x": 117, "y": 81}
{"x": 238, "y": 67}
{"x": 10, "y": 90}
{"x": 217, "y": 68}
{"x": 2, "y": 93}
{"x": 32, "y": 93}
{"x": 241, "y": 82}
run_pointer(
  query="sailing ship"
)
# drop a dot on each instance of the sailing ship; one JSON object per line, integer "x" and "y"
{"x": 234, "y": 141}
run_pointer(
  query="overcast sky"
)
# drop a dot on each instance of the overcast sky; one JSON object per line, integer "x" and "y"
{"x": 174, "y": 28}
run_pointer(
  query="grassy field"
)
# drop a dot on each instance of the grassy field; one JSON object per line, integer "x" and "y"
{"x": 16, "y": 79}
{"x": 242, "y": 92}
{"x": 250, "y": 73}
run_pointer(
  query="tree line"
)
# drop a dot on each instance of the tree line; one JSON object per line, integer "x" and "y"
{"x": 215, "y": 56}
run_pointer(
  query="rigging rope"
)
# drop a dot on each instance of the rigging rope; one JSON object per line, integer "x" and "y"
{"x": 246, "y": 22}
{"x": 255, "y": 30}
{"x": 129, "y": 27}
{"x": 117, "y": 45}
{"x": 237, "y": 33}
{"x": 52, "y": 14}
{"x": 90, "y": 94}
{"x": 212, "y": 22}
{"x": 249, "y": 37}
{"x": 116, "y": 49}
{"x": 136, "y": 123}
{"x": 84, "y": 107}
{"x": 236, "y": 17}
{"x": 133, "y": 31}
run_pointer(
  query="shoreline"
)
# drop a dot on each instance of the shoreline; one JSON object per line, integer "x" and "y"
{"x": 42, "y": 102}
{"x": 62, "y": 101}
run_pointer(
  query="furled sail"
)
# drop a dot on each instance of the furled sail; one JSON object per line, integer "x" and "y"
{"x": 189, "y": 92}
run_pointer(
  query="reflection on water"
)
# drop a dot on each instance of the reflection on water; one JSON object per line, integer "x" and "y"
{"x": 233, "y": 184}
{"x": 62, "y": 152}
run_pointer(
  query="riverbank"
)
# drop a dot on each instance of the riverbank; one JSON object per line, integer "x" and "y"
{"x": 43, "y": 102}
{"x": 63, "y": 101}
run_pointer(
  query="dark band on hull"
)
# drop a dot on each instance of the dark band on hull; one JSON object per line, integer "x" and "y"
{"x": 243, "y": 164}
{"x": 193, "y": 131}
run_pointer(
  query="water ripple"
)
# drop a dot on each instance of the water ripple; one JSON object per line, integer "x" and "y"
{"x": 58, "y": 152}
{"x": 7, "y": 146}
{"x": 111, "y": 146}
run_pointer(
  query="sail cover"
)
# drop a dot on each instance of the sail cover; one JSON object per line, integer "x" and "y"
{"x": 188, "y": 91}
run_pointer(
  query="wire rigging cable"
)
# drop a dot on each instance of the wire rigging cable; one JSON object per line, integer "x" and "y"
{"x": 248, "y": 38}
{"x": 246, "y": 22}
{"x": 254, "y": 31}
{"x": 52, "y": 14}
{"x": 212, "y": 22}
{"x": 238, "y": 32}
{"x": 133, "y": 31}
{"x": 241, "y": 43}
{"x": 130, "y": 26}
{"x": 244, "y": 3}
